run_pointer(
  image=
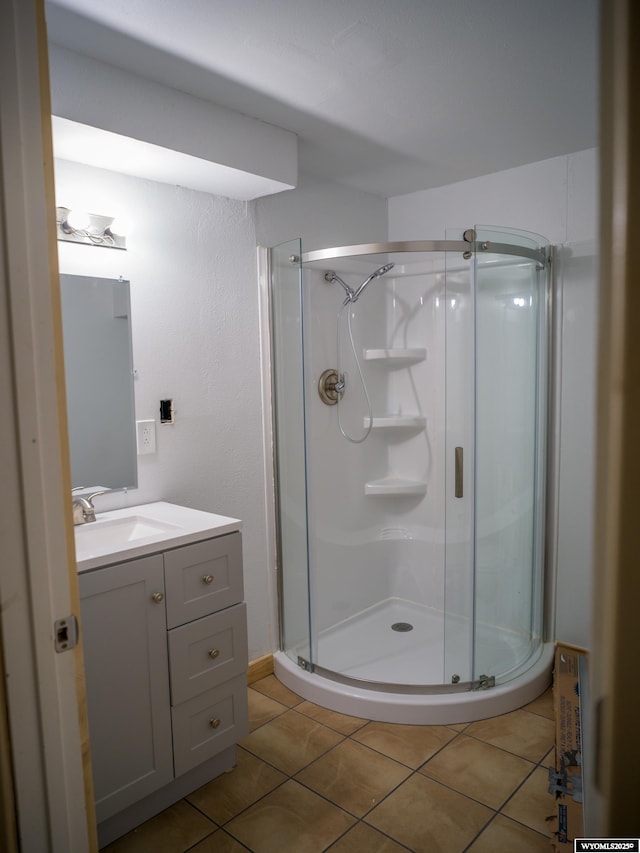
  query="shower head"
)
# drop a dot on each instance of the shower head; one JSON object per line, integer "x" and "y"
{"x": 380, "y": 271}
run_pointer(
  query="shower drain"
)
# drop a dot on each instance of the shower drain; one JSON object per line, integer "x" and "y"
{"x": 402, "y": 626}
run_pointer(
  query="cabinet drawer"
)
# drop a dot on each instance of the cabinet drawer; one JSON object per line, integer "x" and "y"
{"x": 209, "y": 723}
{"x": 204, "y": 653}
{"x": 203, "y": 578}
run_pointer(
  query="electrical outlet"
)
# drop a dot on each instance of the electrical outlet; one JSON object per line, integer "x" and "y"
{"x": 146, "y": 436}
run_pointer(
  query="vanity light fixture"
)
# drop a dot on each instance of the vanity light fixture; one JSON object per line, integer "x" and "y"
{"x": 92, "y": 229}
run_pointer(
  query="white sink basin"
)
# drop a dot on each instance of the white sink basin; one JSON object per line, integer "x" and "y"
{"x": 123, "y": 534}
{"x": 99, "y": 534}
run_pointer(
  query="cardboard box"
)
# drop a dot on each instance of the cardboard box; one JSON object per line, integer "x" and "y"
{"x": 566, "y": 782}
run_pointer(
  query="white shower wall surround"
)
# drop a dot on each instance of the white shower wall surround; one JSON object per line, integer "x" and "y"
{"x": 398, "y": 592}
{"x": 376, "y": 547}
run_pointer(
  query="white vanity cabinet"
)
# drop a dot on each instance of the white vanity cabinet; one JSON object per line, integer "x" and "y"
{"x": 165, "y": 647}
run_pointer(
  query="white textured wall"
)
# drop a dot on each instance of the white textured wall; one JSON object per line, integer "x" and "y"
{"x": 322, "y": 214}
{"x": 194, "y": 305}
{"x": 191, "y": 259}
{"x": 579, "y": 271}
{"x": 557, "y": 198}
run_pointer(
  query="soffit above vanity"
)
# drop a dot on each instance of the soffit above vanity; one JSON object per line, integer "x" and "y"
{"x": 106, "y": 117}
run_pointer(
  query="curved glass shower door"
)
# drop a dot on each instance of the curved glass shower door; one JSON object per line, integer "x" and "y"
{"x": 509, "y": 473}
{"x": 410, "y": 497}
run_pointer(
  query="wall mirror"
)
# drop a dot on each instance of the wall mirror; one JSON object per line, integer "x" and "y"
{"x": 96, "y": 323}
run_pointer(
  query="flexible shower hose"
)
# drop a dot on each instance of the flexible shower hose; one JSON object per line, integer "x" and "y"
{"x": 347, "y": 306}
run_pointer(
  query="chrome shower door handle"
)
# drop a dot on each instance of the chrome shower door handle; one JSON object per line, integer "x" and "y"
{"x": 459, "y": 456}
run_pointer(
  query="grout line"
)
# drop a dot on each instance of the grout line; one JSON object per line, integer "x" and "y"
{"x": 397, "y": 760}
{"x": 508, "y": 751}
{"x": 237, "y": 840}
{"x": 199, "y": 810}
{"x": 548, "y": 838}
{"x": 484, "y": 828}
{"x": 515, "y": 791}
{"x": 359, "y": 818}
{"x": 218, "y": 829}
{"x": 509, "y": 817}
{"x": 374, "y": 829}
{"x": 459, "y": 792}
{"x": 440, "y": 749}
{"x": 327, "y": 726}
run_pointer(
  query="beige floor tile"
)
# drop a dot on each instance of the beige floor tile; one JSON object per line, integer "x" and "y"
{"x": 365, "y": 839}
{"x": 429, "y": 818}
{"x": 172, "y": 831}
{"x": 532, "y": 803}
{"x": 219, "y": 842}
{"x": 291, "y": 818}
{"x": 542, "y": 705}
{"x": 520, "y": 732}
{"x": 262, "y": 709}
{"x": 506, "y": 835}
{"x": 410, "y": 745}
{"x": 342, "y": 723}
{"x": 457, "y": 727}
{"x": 291, "y": 741}
{"x": 271, "y": 687}
{"x": 479, "y": 770}
{"x": 226, "y": 796}
{"x": 353, "y": 776}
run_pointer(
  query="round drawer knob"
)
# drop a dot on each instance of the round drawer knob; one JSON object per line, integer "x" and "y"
{"x": 158, "y": 597}
{"x": 214, "y": 723}
{"x": 207, "y": 579}
{"x": 213, "y": 653}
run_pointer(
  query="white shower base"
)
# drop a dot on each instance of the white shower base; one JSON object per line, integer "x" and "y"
{"x": 366, "y": 648}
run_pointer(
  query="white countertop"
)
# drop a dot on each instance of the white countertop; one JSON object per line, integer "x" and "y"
{"x": 135, "y": 531}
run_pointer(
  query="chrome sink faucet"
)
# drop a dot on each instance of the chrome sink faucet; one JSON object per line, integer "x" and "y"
{"x": 83, "y": 508}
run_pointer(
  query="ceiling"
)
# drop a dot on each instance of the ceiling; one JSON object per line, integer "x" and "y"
{"x": 385, "y": 96}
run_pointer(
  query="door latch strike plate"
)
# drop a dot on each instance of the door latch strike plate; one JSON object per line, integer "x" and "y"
{"x": 65, "y": 632}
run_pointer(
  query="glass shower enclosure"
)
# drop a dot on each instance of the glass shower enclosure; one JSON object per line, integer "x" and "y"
{"x": 409, "y": 427}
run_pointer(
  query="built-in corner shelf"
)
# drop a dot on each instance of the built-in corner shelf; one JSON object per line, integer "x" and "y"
{"x": 396, "y": 356}
{"x": 395, "y": 486}
{"x": 397, "y": 422}
{"x": 391, "y": 357}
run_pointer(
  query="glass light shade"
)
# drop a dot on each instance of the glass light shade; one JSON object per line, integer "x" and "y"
{"x": 78, "y": 220}
{"x": 121, "y": 225}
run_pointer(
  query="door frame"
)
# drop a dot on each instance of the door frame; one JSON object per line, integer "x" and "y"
{"x": 45, "y": 711}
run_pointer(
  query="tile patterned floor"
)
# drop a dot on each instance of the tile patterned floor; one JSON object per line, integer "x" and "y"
{"x": 310, "y": 780}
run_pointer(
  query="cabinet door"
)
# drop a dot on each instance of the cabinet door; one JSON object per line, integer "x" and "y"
{"x": 125, "y": 652}
{"x": 202, "y": 578}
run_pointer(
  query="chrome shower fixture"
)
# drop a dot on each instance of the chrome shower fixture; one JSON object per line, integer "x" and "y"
{"x": 351, "y": 294}
{"x": 380, "y": 271}
{"x": 331, "y": 276}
